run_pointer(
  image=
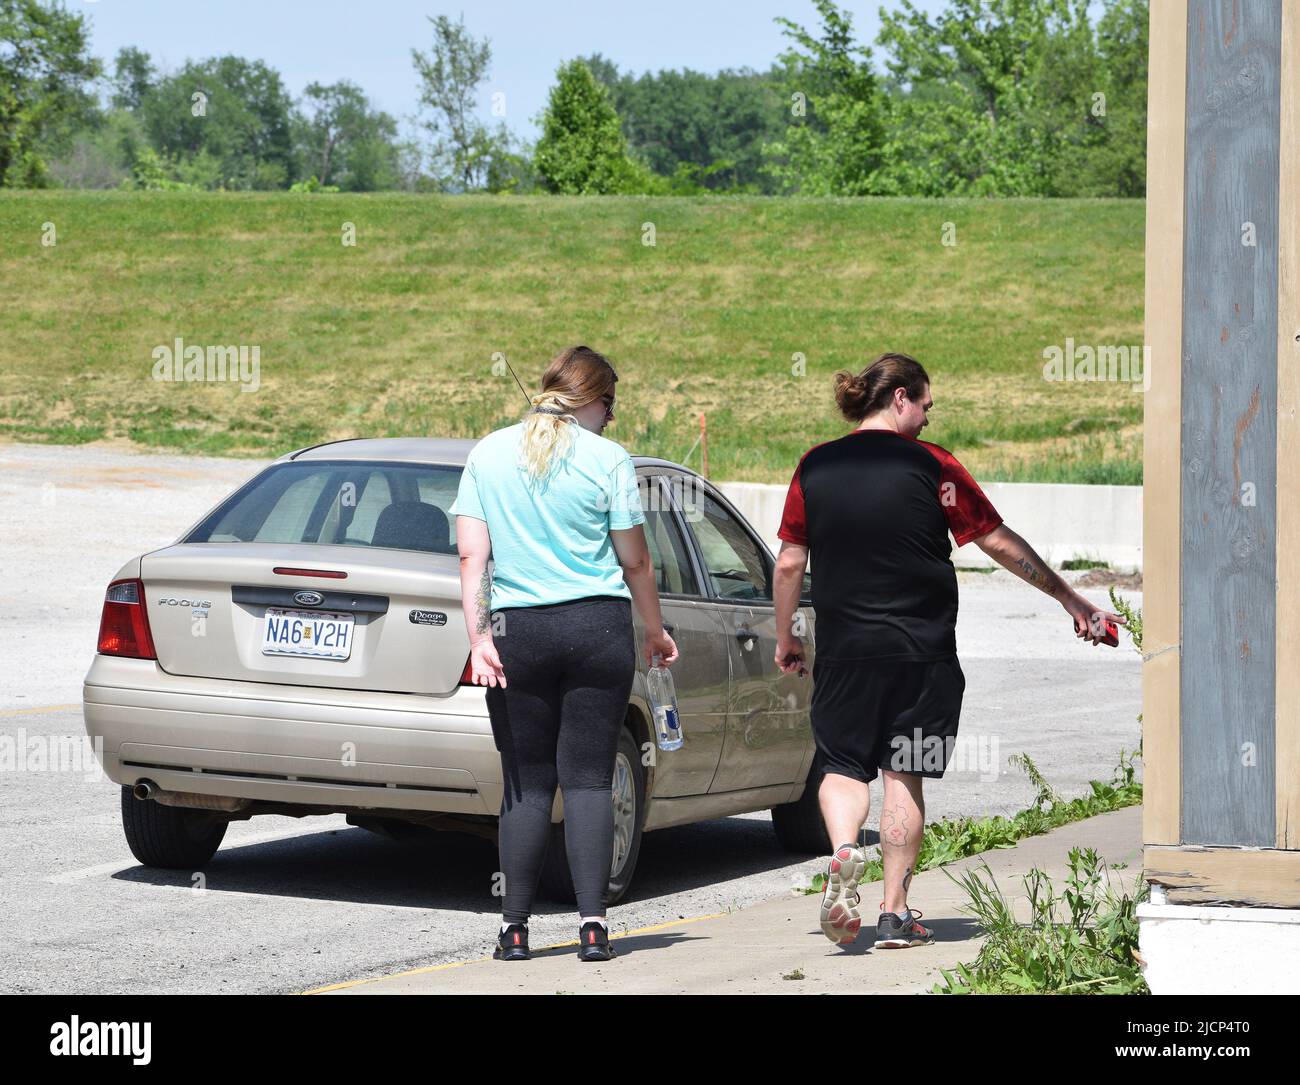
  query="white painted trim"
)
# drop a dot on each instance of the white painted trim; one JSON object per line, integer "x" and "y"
{"x": 1212, "y": 914}
{"x": 1196, "y": 949}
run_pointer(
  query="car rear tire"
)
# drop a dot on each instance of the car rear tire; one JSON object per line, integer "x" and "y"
{"x": 799, "y": 826}
{"x": 628, "y": 810}
{"x": 172, "y": 837}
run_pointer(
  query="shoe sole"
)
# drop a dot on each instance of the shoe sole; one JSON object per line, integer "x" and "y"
{"x": 511, "y": 952}
{"x": 903, "y": 943}
{"x": 596, "y": 952}
{"x": 840, "y": 919}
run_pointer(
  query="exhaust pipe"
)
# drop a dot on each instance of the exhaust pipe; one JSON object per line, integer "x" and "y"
{"x": 147, "y": 789}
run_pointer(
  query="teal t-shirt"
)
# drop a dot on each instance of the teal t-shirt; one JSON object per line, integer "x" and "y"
{"x": 550, "y": 537}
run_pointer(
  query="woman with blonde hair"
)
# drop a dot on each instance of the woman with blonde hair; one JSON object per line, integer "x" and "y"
{"x": 555, "y": 505}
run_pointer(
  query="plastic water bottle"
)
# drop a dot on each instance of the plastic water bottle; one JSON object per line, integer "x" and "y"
{"x": 663, "y": 701}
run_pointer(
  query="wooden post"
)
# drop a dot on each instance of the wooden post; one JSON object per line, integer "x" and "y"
{"x": 1221, "y": 651}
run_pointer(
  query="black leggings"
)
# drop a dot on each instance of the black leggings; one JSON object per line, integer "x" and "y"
{"x": 569, "y": 669}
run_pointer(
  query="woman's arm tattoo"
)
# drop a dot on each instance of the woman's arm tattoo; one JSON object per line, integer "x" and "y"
{"x": 481, "y": 603}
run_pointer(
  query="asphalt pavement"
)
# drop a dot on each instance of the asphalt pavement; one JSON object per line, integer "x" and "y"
{"x": 293, "y": 905}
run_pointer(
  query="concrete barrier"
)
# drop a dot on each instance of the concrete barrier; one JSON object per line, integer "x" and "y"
{"x": 1060, "y": 521}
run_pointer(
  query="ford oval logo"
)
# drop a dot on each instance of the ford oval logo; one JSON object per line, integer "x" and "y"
{"x": 308, "y": 598}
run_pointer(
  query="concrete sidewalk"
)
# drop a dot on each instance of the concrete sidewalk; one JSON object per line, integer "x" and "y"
{"x": 759, "y": 950}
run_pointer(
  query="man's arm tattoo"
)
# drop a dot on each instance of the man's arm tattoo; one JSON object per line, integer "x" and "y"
{"x": 1036, "y": 577}
{"x": 481, "y": 604}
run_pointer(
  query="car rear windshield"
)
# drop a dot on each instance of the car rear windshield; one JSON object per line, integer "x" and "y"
{"x": 396, "y": 506}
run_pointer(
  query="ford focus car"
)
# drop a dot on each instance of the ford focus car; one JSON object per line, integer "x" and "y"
{"x": 301, "y": 650}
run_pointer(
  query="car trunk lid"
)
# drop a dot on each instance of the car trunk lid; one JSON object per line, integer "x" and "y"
{"x": 233, "y": 610}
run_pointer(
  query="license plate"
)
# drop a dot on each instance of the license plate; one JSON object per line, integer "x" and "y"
{"x": 315, "y": 633}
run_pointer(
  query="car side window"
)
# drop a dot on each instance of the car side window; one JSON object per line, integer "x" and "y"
{"x": 733, "y": 561}
{"x": 673, "y": 572}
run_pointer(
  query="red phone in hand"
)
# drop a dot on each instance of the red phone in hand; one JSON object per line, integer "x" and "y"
{"x": 1111, "y": 635}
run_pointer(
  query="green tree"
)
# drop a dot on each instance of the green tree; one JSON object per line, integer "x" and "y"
{"x": 582, "y": 150}
{"x": 100, "y": 154}
{"x": 227, "y": 120}
{"x": 707, "y": 127}
{"x": 464, "y": 148}
{"x": 134, "y": 76}
{"x": 156, "y": 173}
{"x": 344, "y": 142}
{"x": 834, "y": 141}
{"x": 44, "y": 70}
{"x": 960, "y": 117}
{"x": 1001, "y": 98}
{"x": 1120, "y": 166}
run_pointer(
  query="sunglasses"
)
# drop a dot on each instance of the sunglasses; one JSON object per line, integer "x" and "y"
{"x": 609, "y": 405}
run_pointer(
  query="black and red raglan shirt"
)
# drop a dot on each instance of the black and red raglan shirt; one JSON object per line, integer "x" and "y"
{"x": 874, "y": 508}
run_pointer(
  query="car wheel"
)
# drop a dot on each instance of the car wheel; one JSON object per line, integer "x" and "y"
{"x": 170, "y": 836}
{"x": 799, "y": 826}
{"x": 628, "y": 800}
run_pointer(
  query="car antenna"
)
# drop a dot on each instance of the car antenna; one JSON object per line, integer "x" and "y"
{"x": 527, "y": 397}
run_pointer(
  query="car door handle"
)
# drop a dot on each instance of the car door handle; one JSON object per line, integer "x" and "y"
{"x": 743, "y": 635}
{"x": 669, "y": 627}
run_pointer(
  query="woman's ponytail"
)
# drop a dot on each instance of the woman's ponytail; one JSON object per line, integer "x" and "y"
{"x": 546, "y": 433}
{"x": 574, "y": 378}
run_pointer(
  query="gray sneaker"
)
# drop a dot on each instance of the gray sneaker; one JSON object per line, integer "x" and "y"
{"x": 895, "y": 931}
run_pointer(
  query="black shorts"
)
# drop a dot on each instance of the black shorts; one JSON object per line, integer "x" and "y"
{"x": 868, "y": 716}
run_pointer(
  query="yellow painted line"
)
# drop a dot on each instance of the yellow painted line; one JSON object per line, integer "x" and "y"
{"x": 477, "y": 960}
{"x": 33, "y": 711}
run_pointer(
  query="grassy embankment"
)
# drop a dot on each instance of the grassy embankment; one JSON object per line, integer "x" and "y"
{"x": 397, "y": 334}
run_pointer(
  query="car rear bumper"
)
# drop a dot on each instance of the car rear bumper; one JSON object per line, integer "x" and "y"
{"x": 295, "y": 744}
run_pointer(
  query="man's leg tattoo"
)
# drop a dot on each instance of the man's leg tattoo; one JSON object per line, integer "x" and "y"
{"x": 894, "y": 833}
{"x": 893, "y": 826}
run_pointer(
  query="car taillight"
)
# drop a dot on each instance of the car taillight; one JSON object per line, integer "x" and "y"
{"x": 467, "y": 675}
{"x": 124, "y": 625}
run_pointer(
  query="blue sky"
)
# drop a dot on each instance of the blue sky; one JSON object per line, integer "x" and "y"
{"x": 369, "y": 41}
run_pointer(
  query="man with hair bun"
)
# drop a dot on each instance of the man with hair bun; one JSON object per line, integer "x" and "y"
{"x": 874, "y": 508}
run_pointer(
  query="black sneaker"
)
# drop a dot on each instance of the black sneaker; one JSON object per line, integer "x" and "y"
{"x": 593, "y": 942}
{"x": 512, "y": 943}
{"x": 902, "y": 931}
